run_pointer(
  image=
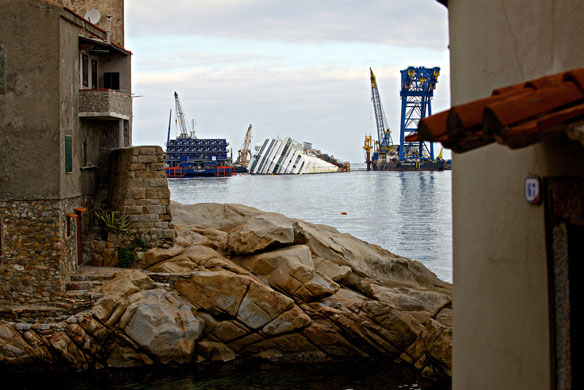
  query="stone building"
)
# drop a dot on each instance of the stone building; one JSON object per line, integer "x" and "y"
{"x": 65, "y": 105}
{"x": 517, "y": 129}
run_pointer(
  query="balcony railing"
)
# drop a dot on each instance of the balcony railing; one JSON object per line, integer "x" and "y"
{"x": 104, "y": 104}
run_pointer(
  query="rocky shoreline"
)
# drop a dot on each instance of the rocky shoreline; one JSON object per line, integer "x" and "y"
{"x": 245, "y": 284}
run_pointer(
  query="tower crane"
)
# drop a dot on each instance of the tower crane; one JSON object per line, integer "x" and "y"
{"x": 384, "y": 144}
{"x": 244, "y": 152}
{"x": 181, "y": 121}
{"x": 417, "y": 89}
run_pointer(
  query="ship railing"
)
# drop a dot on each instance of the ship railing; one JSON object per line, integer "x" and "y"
{"x": 174, "y": 172}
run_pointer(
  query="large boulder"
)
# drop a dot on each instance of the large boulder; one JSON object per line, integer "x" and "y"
{"x": 262, "y": 231}
{"x": 162, "y": 324}
{"x": 291, "y": 270}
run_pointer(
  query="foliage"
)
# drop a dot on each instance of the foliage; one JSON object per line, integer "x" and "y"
{"x": 126, "y": 257}
{"x": 140, "y": 244}
{"x": 113, "y": 222}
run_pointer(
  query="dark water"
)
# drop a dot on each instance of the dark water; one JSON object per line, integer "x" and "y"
{"x": 341, "y": 376}
{"x": 408, "y": 213}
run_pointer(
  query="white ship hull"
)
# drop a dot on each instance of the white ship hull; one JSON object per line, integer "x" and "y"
{"x": 286, "y": 157}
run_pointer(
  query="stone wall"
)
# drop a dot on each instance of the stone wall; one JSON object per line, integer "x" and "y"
{"x": 37, "y": 256}
{"x": 105, "y": 101}
{"x": 113, "y": 8}
{"x": 139, "y": 189}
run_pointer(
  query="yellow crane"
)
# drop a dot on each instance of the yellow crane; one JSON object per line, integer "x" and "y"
{"x": 244, "y": 152}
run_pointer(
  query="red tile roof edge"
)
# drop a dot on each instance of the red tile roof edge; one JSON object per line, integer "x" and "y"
{"x": 87, "y": 21}
{"x": 535, "y": 110}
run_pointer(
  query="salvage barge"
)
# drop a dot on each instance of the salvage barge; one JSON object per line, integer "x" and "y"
{"x": 188, "y": 155}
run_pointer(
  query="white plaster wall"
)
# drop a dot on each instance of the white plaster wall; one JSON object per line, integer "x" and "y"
{"x": 501, "y": 330}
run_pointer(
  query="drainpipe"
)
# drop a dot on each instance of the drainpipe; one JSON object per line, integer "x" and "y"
{"x": 108, "y": 29}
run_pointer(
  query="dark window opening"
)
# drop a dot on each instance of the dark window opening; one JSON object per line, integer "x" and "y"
{"x": 85, "y": 159}
{"x": 68, "y": 154}
{"x": 85, "y": 66}
{"x": 93, "y": 74}
{"x": 111, "y": 80}
{"x": 0, "y": 238}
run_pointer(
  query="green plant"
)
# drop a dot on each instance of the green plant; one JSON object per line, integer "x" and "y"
{"x": 113, "y": 222}
{"x": 139, "y": 243}
{"x": 126, "y": 257}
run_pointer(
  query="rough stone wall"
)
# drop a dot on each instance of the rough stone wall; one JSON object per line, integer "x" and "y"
{"x": 37, "y": 255}
{"x": 113, "y": 8}
{"x": 139, "y": 189}
{"x": 105, "y": 101}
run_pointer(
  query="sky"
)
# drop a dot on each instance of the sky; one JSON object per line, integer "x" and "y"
{"x": 292, "y": 68}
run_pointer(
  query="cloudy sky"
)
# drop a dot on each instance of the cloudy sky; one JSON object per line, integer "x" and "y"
{"x": 289, "y": 67}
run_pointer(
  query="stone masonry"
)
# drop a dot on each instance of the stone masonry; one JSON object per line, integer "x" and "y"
{"x": 38, "y": 251}
{"x": 139, "y": 189}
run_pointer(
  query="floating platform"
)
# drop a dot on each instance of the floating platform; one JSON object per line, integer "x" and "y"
{"x": 414, "y": 165}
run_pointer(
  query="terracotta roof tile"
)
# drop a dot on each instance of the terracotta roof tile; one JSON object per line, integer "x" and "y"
{"x": 507, "y": 112}
{"x": 517, "y": 116}
{"x": 433, "y": 127}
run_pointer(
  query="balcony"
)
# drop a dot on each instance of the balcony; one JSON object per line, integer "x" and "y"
{"x": 104, "y": 104}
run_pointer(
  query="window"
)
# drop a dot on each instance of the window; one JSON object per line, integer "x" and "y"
{"x": 85, "y": 70}
{"x": 0, "y": 238}
{"x": 68, "y": 154}
{"x": 93, "y": 74}
{"x": 111, "y": 80}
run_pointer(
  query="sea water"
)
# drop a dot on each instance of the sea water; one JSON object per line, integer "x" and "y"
{"x": 407, "y": 213}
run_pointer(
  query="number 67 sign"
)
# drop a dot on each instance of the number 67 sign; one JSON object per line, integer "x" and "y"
{"x": 533, "y": 189}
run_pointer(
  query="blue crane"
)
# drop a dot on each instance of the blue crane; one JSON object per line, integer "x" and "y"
{"x": 417, "y": 89}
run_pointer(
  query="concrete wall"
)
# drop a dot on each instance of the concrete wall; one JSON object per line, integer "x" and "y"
{"x": 501, "y": 325}
{"x": 30, "y": 161}
{"x": 113, "y": 8}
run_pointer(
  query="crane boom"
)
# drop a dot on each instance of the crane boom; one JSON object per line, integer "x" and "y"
{"x": 181, "y": 120}
{"x": 244, "y": 152}
{"x": 383, "y": 132}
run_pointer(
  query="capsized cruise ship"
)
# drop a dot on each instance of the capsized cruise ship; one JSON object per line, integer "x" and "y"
{"x": 286, "y": 156}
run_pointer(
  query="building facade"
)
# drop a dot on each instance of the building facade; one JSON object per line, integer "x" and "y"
{"x": 65, "y": 104}
{"x": 515, "y": 262}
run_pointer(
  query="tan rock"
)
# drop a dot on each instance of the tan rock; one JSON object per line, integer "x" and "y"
{"x": 156, "y": 255}
{"x": 367, "y": 260}
{"x": 214, "y": 351}
{"x": 15, "y": 351}
{"x": 162, "y": 324}
{"x": 333, "y": 271}
{"x": 260, "y": 232}
{"x": 122, "y": 355}
{"x": 261, "y": 305}
{"x": 291, "y": 270}
{"x": 83, "y": 340}
{"x": 216, "y": 292}
{"x": 68, "y": 350}
{"x": 286, "y": 322}
{"x": 211, "y": 215}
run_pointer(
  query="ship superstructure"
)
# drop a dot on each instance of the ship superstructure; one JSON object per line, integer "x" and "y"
{"x": 278, "y": 156}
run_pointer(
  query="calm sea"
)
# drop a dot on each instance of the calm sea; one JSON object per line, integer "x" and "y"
{"x": 408, "y": 213}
